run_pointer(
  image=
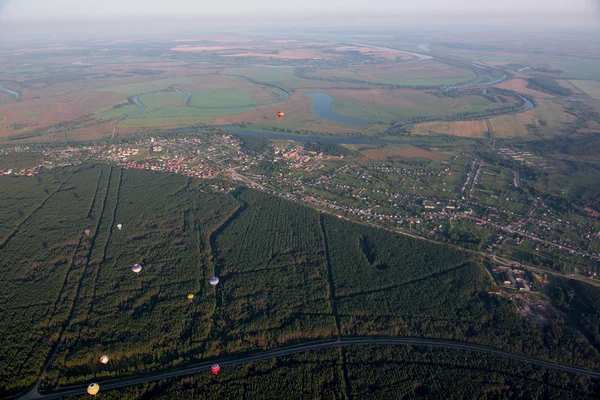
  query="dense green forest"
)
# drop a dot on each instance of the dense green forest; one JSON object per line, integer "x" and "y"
{"x": 288, "y": 275}
{"x": 396, "y": 286}
{"x": 574, "y": 145}
{"x": 20, "y": 197}
{"x": 373, "y": 372}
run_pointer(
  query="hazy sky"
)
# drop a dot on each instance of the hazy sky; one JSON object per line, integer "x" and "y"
{"x": 66, "y": 9}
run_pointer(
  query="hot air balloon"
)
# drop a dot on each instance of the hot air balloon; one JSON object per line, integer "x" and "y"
{"x": 214, "y": 281}
{"x": 87, "y": 232}
{"x": 93, "y": 389}
{"x": 136, "y": 268}
{"x": 280, "y": 114}
{"x": 215, "y": 369}
{"x": 120, "y": 226}
{"x": 190, "y": 296}
{"x": 104, "y": 359}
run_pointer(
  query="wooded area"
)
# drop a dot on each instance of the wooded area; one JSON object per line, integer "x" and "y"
{"x": 287, "y": 275}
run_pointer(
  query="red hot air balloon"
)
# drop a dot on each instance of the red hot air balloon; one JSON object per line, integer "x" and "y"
{"x": 280, "y": 114}
{"x": 215, "y": 369}
{"x": 87, "y": 232}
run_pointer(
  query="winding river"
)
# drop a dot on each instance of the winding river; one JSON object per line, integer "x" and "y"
{"x": 188, "y": 95}
{"x": 466, "y": 85}
{"x": 322, "y": 107}
{"x": 13, "y": 93}
{"x": 141, "y": 106}
{"x": 422, "y": 57}
{"x": 528, "y": 104}
{"x": 410, "y": 53}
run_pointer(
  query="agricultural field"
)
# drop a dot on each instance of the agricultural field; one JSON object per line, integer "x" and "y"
{"x": 590, "y": 88}
{"x": 579, "y": 68}
{"x": 401, "y": 151}
{"x": 67, "y": 91}
{"x": 546, "y": 120}
{"x": 5, "y": 98}
{"x": 288, "y": 275}
{"x": 474, "y": 129}
{"x": 427, "y": 73}
{"x": 390, "y": 105}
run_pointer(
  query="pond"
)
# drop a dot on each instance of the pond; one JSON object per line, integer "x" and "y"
{"x": 322, "y": 107}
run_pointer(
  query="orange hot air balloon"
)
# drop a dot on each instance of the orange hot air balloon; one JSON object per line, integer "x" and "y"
{"x": 280, "y": 114}
{"x": 93, "y": 389}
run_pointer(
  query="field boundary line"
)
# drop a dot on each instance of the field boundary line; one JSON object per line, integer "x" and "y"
{"x": 65, "y": 324}
{"x": 409, "y": 282}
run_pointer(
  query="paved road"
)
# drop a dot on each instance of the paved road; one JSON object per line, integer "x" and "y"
{"x": 205, "y": 366}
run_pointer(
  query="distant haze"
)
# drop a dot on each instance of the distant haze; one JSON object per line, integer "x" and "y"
{"x": 81, "y": 19}
{"x": 68, "y": 9}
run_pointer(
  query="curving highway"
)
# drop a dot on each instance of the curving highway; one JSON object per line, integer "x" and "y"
{"x": 302, "y": 348}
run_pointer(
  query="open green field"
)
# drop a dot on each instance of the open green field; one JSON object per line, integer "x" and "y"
{"x": 286, "y": 78}
{"x": 66, "y": 94}
{"x": 378, "y": 105}
{"x": 221, "y": 98}
{"x": 160, "y": 100}
{"x": 288, "y": 275}
{"x": 132, "y": 89}
{"x": 428, "y": 73}
{"x": 476, "y": 54}
{"x": 579, "y": 68}
{"x": 118, "y": 112}
{"x": 591, "y": 88}
{"x": 164, "y": 121}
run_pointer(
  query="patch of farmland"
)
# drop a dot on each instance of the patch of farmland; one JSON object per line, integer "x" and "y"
{"x": 474, "y": 129}
{"x": 262, "y": 95}
{"x": 401, "y": 151}
{"x": 221, "y": 98}
{"x": 424, "y": 73}
{"x": 148, "y": 86}
{"x": 118, "y": 112}
{"x": 166, "y": 121}
{"x": 384, "y": 105}
{"x": 591, "y": 88}
{"x": 36, "y": 113}
{"x": 548, "y": 117}
{"x": 162, "y": 100}
{"x": 579, "y": 68}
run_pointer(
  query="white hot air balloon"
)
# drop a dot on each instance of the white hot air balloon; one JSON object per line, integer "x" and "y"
{"x": 120, "y": 226}
{"x": 214, "y": 281}
{"x": 136, "y": 268}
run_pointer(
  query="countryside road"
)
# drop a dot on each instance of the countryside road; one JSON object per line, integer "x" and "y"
{"x": 302, "y": 348}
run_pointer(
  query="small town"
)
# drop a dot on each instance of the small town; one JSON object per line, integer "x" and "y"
{"x": 446, "y": 202}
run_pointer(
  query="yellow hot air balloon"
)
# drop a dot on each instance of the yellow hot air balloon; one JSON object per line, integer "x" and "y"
{"x": 104, "y": 359}
{"x": 190, "y": 296}
{"x": 93, "y": 389}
